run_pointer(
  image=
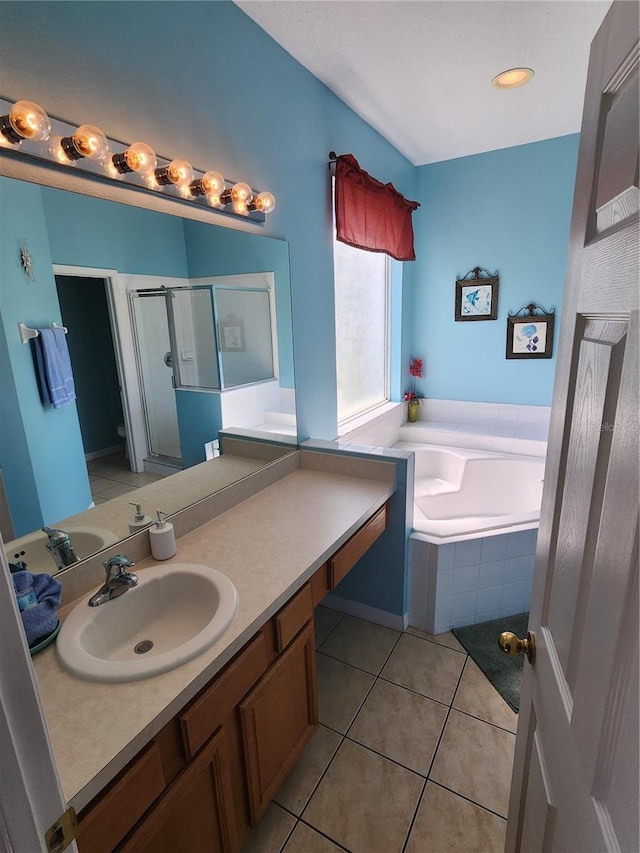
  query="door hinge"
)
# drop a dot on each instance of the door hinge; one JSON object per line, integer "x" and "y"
{"x": 61, "y": 833}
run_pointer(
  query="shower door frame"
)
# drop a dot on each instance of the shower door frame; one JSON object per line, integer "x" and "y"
{"x": 242, "y": 281}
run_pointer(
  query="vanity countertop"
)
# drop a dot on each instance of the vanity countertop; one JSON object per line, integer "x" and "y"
{"x": 268, "y": 545}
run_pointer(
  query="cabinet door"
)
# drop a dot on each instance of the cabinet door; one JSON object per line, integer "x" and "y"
{"x": 277, "y": 718}
{"x": 195, "y": 812}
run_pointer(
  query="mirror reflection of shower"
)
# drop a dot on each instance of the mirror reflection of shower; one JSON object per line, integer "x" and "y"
{"x": 218, "y": 338}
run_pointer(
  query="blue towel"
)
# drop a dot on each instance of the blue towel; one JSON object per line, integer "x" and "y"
{"x": 57, "y": 366}
{"x": 38, "y": 601}
{"x": 43, "y": 385}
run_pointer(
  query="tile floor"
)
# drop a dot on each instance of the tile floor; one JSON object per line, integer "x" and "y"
{"x": 413, "y": 752}
{"x": 110, "y": 477}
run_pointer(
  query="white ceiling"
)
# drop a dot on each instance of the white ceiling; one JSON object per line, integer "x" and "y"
{"x": 420, "y": 71}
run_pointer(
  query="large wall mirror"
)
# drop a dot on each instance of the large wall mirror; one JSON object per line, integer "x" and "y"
{"x": 177, "y": 329}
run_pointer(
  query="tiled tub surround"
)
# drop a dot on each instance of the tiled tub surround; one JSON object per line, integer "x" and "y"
{"x": 470, "y": 581}
{"x": 413, "y": 752}
{"x": 269, "y": 545}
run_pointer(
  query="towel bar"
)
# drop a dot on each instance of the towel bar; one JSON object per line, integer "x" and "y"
{"x": 27, "y": 334}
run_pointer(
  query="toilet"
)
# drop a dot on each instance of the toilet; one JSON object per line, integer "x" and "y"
{"x": 122, "y": 433}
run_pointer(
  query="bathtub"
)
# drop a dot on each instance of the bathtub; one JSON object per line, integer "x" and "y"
{"x": 473, "y": 544}
{"x": 458, "y": 492}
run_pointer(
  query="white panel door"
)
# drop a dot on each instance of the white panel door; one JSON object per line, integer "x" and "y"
{"x": 575, "y": 784}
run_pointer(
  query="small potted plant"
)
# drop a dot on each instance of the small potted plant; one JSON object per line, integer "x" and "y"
{"x": 412, "y": 397}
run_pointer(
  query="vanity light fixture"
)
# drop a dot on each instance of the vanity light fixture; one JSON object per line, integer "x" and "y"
{"x": 264, "y": 202}
{"x": 27, "y": 131}
{"x": 512, "y": 78}
{"x": 25, "y": 120}
{"x": 139, "y": 157}
{"x": 88, "y": 141}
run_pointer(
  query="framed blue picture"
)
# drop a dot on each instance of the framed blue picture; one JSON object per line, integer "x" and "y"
{"x": 530, "y": 335}
{"x": 477, "y": 295}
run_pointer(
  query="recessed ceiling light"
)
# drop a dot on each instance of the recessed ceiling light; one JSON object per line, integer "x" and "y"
{"x": 512, "y": 78}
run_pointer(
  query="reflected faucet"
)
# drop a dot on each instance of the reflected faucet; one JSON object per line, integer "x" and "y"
{"x": 60, "y": 547}
{"x": 117, "y": 582}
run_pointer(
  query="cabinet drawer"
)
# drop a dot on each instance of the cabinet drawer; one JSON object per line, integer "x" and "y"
{"x": 345, "y": 559}
{"x": 106, "y": 823}
{"x": 293, "y": 616}
{"x": 209, "y": 710}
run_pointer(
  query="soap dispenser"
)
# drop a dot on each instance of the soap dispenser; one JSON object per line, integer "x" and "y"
{"x": 162, "y": 537}
{"x": 139, "y": 519}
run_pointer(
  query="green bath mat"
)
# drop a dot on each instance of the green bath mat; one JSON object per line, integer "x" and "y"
{"x": 481, "y": 642}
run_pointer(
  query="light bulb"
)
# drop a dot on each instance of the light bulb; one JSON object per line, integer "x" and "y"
{"x": 238, "y": 194}
{"x": 210, "y": 184}
{"x": 241, "y": 192}
{"x": 26, "y": 120}
{"x": 241, "y": 208}
{"x": 88, "y": 141}
{"x": 178, "y": 173}
{"x": 139, "y": 157}
{"x": 56, "y": 151}
{"x": 264, "y": 202}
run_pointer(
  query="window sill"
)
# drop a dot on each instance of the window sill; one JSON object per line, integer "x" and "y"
{"x": 366, "y": 419}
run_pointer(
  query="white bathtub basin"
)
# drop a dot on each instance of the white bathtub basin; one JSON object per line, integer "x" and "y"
{"x": 176, "y": 611}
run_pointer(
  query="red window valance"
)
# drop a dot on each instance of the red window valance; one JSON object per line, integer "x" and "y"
{"x": 371, "y": 215}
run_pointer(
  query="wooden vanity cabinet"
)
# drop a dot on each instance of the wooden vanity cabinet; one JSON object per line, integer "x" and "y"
{"x": 206, "y": 778}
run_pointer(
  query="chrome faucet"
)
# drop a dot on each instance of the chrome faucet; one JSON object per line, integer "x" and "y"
{"x": 60, "y": 547}
{"x": 117, "y": 582}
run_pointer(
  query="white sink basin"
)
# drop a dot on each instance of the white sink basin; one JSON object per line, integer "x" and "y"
{"x": 85, "y": 540}
{"x": 180, "y": 608}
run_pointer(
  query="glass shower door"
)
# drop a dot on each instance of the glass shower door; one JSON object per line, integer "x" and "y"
{"x": 154, "y": 352}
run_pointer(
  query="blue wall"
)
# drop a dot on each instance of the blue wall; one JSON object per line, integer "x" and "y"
{"x": 506, "y": 210}
{"x": 40, "y": 447}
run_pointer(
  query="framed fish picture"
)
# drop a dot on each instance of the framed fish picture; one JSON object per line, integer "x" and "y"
{"x": 477, "y": 295}
{"x": 530, "y": 334}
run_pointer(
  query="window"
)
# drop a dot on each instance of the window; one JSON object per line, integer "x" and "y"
{"x": 362, "y": 329}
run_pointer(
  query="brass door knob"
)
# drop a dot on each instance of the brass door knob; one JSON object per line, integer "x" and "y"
{"x": 512, "y": 645}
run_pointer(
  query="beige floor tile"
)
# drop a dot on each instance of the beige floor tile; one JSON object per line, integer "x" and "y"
{"x": 447, "y": 639}
{"x": 271, "y": 833}
{"x": 359, "y": 643}
{"x": 446, "y": 822}
{"x": 400, "y": 724}
{"x": 299, "y": 784}
{"x": 115, "y": 490}
{"x": 99, "y": 484}
{"x": 131, "y": 478}
{"x": 306, "y": 840}
{"x": 475, "y": 759}
{"x": 364, "y": 802}
{"x": 325, "y": 620}
{"x": 476, "y": 695}
{"x": 341, "y": 691}
{"x": 425, "y": 667}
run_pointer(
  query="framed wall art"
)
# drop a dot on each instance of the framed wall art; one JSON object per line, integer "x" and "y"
{"x": 477, "y": 295}
{"x": 232, "y": 336}
{"x": 530, "y": 332}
